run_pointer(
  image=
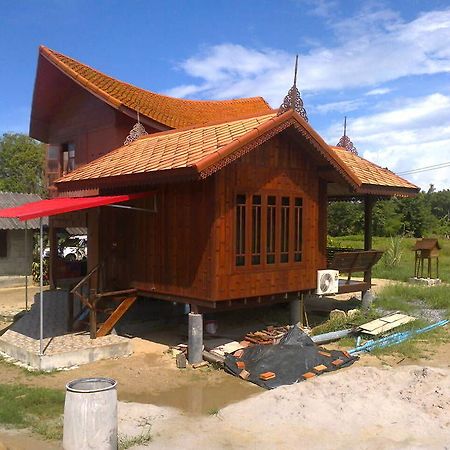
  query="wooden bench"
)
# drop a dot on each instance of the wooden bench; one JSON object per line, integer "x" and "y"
{"x": 350, "y": 261}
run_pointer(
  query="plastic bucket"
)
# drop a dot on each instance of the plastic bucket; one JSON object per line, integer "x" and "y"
{"x": 90, "y": 414}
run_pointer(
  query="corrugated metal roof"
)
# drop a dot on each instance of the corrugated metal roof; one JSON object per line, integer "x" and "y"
{"x": 12, "y": 199}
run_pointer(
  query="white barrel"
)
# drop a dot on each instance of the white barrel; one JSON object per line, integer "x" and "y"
{"x": 90, "y": 414}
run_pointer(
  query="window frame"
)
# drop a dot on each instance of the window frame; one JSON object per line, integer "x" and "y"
{"x": 291, "y": 238}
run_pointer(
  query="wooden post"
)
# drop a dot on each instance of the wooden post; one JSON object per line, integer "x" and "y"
{"x": 369, "y": 202}
{"x": 93, "y": 319}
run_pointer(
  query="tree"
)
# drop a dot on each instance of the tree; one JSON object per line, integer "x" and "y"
{"x": 345, "y": 218}
{"x": 22, "y": 164}
{"x": 387, "y": 221}
{"x": 417, "y": 219}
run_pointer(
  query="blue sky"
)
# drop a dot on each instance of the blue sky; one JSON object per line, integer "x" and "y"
{"x": 384, "y": 64}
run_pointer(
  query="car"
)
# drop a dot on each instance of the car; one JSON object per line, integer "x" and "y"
{"x": 74, "y": 248}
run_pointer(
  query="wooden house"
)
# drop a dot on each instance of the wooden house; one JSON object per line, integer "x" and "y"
{"x": 235, "y": 213}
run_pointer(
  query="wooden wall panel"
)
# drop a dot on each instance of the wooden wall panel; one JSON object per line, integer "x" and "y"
{"x": 168, "y": 252}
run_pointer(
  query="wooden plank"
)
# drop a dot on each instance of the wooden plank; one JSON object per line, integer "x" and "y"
{"x": 108, "y": 325}
{"x": 383, "y": 324}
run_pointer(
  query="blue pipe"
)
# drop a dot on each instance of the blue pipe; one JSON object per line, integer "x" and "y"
{"x": 395, "y": 338}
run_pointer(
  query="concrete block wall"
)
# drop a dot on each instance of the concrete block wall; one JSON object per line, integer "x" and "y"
{"x": 15, "y": 263}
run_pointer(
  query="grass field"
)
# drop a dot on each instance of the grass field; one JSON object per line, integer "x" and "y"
{"x": 405, "y": 269}
{"x": 39, "y": 409}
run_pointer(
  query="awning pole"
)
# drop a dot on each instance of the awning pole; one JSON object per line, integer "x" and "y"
{"x": 41, "y": 285}
{"x": 26, "y": 265}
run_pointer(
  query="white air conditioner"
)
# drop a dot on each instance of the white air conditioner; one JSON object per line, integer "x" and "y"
{"x": 327, "y": 282}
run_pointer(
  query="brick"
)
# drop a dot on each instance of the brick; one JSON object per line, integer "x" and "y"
{"x": 324, "y": 354}
{"x": 267, "y": 376}
{"x": 308, "y": 375}
{"x": 238, "y": 353}
{"x": 320, "y": 368}
{"x": 240, "y": 364}
{"x": 244, "y": 374}
{"x": 181, "y": 361}
{"x": 347, "y": 354}
{"x": 337, "y": 362}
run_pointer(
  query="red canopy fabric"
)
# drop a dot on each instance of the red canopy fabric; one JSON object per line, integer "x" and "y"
{"x": 61, "y": 205}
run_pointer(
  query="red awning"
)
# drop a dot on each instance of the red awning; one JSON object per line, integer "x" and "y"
{"x": 61, "y": 205}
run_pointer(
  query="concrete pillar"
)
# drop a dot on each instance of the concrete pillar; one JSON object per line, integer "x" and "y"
{"x": 296, "y": 309}
{"x": 195, "y": 338}
{"x": 367, "y": 300}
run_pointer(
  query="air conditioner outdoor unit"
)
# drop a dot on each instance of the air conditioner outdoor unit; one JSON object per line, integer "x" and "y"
{"x": 327, "y": 282}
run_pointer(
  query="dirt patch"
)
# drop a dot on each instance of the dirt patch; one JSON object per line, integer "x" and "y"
{"x": 24, "y": 440}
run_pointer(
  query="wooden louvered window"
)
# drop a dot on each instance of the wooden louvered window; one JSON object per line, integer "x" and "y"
{"x": 284, "y": 230}
{"x": 68, "y": 158}
{"x": 256, "y": 230}
{"x": 240, "y": 230}
{"x": 298, "y": 229}
{"x": 270, "y": 230}
{"x": 3, "y": 243}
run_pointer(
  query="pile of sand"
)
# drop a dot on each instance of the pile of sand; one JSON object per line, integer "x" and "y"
{"x": 361, "y": 407}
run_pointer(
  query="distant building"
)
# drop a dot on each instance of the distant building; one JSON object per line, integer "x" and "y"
{"x": 14, "y": 258}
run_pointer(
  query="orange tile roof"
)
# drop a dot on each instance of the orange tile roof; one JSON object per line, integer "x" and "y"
{"x": 170, "y": 111}
{"x": 368, "y": 173}
{"x": 209, "y": 148}
{"x": 167, "y": 150}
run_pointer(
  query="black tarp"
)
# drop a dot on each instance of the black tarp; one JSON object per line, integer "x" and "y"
{"x": 295, "y": 355}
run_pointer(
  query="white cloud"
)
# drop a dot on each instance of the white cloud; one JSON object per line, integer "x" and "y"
{"x": 410, "y": 136}
{"x": 341, "y": 107}
{"x": 374, "y": 47}
{"x": 379, "y": 91}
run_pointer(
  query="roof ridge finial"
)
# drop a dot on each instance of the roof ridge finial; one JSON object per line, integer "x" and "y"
{"x": 293, "y": 99}
{"x": 137, "y": 131}
{"x": 345, "y": 141}
{"x": 295, "y": 70}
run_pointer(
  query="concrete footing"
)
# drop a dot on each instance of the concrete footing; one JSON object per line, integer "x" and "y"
{"x": 195, "y": 338}
{"x": 426, "y": 281}
{"x": 61, "y": 349}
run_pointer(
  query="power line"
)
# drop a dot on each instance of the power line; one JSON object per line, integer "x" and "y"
{"x": 425, "y": 168}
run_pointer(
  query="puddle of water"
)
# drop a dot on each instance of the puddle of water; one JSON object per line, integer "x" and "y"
{"x": 201, "y": 397}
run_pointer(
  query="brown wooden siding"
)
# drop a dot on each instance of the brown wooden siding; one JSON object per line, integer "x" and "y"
{"x": 168, "y": 252}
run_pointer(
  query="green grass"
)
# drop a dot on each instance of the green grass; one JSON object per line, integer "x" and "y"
{"x": 341, "y": 323}
{"x": 39, "y": 409}
{"x": 405, "y": 270}
{"x": 404, "y": 297}
{"x": 411, "y": 299}
{"x": 126, "y": 442}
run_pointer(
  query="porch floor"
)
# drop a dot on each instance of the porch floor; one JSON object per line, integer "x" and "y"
{"x": 61, "y": 349}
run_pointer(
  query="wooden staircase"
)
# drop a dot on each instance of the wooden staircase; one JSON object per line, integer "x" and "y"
{"x": 124, "y": 304}
{"x": 109, "y": 306}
